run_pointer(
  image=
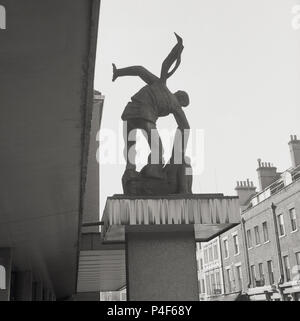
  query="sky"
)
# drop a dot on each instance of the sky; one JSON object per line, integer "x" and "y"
{"x": 240, "y": 67}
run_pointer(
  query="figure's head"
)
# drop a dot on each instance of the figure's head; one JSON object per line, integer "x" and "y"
{"x": 182, "y": 97}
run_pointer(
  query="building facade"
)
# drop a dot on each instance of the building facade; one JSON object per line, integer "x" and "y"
{"x": 232, "y": 251}
{"x": 120, "y": 295}
{"x": 260, "y": 257}
{"x": 210, "y": 276}
{"x": 200, "y": 271}
{"x": 273, "y": 240}
{"x": 46, "y": 113}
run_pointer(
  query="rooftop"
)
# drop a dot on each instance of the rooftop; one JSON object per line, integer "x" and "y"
{"x": 287, "y": 178}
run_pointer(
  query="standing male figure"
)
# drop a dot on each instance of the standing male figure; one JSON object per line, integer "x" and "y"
{"x": 153, "y": 101}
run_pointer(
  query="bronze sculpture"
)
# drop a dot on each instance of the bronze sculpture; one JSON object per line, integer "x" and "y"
{"x": 155, "y": 100}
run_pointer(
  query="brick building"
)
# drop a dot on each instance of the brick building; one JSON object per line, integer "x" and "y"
{"x": 232, "y": 249}
{"x": 261, "y": 256}
{"x": 120, "y": 295}
{"x": 210, "y": 274}
{"x": 201, "y": 275}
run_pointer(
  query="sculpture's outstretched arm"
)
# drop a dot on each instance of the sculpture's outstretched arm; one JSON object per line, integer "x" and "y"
{"x": 174, "y": 55}
{"x": 139, "y": 71}
{"x": 181, "y": 119}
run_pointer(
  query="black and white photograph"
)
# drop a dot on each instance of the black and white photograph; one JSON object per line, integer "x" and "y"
{"x": 150, "y": 154}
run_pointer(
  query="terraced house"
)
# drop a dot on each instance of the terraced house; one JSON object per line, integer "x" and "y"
{"x": 260, "y": 257}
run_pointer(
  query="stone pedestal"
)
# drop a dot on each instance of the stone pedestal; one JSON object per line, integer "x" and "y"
{"x": 161, "y": 265}
{"x": 160, "y": 235}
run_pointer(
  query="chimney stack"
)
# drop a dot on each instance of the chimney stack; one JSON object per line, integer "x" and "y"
{"x": 267, "y": 174}
{"x": 294, "y": 145}
{"x": 244, "y": 190}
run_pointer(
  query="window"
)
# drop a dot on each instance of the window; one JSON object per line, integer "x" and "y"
{"x": 249, "y": 238}
{"x": 210, "y": 254}
{"x": 236, "y": 244}
{"x": 257, "y": 236}
{"x": 2, "y": 278}
{"x": 261, "y": 274}
{"x": 270, "y": 272}
{"x": 205, "y": 256}
{"x": 287, "y": 268}
{"x": 218, "y": 282}
{"x": 280, "y": 222}
{"x": 203, "y": 285}
{"x": 123, "y": 296}
{"x": 213, "y": 284}
{"x": 201, "y": 264}
{"x": 253, "y": 274}
{"x": 298, "y": 261}
{"x": 228, "y": 274}
{"x": 233, "y": 281}
{"x": 216, "y": 256}
{"x": 239, "y": 276}
{"x": 293, "y": 218}
{"x": 265, "y": 231}
{"x": 2, "y": 17}
{"x": 226, "y": 248}
{"x": 208, "y": 285}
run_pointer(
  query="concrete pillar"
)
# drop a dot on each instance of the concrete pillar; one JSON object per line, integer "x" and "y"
{"x": 161, "y": 265}
{"x": 23, "y": 286}
{"x": 5, "y": 273}
{"x": 37, "y": 291}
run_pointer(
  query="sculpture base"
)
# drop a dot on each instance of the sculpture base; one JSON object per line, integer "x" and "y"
{"x": 161, "y": 266}
{"x": 208, "y": 214}
{"x": 160, "y": 235}
{"x": 157, "y": 180}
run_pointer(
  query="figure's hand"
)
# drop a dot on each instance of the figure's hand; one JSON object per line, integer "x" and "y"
{"x": 115, "y": 76}
{"x": 179, "y": 39}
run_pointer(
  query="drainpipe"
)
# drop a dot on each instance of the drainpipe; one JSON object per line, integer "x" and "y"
{"x": 243, "y": 221}
{"x": 279, "y": 255}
